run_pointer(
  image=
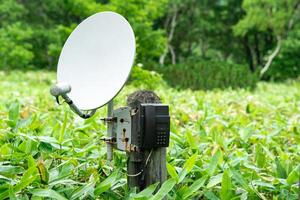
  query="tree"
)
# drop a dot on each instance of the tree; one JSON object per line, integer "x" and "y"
{"x": 287, "y": 63}
{"x": 272, "y": 18}
{"x": 201, "y": 29}
{"x": 33, "y": 32}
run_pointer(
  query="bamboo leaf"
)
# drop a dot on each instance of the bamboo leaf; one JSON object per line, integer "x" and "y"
{"x": 194, "y": 187}
{"x": 214, "y": 163}
{"x": 106, "y": 184}
{"x": 164, "y": 190}
{"x": 260, "y": 156}
{"x": 214, "y": 180}
{"x": 63, "y": 129}
{"x": 148, "y": 192}
{"x": 240, "y": 180}
{"x": 172, "y": 172}
{"x": 28, "y": 177}
{"x": 13, "y": 114}
{"x": 293, "y": 177}
{"x": 280, "y": 169}
{"x": 8, "y": 170}
{"x": 47, "y": 193}
{"x": 83, "y": 191}
{"x": 189, "y": 164}
{"x": 226, "y": 186}
{"x": 191, "y": 140}
{"x": 210, "y": 195}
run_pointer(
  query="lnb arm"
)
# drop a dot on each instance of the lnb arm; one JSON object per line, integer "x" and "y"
{"x": 62, "y": 89}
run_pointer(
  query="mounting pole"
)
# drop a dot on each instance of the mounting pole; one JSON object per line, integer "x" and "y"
{"x": 110, "y": 108}
{"x": 155, "y": 170}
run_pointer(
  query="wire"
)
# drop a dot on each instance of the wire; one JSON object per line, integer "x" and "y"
{"x": 147, "y": 160}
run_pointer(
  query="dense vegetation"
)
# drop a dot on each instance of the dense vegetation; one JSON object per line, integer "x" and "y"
{"x": 236, "y": 138}
{"x": 217, "y": 75}
{"x": 261, "y": 34}
{"x": 224, "y": 144}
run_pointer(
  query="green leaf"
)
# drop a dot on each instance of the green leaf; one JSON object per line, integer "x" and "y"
{"x": 187, "y": 167}
{"x": 240, "y": 180}
{"x": 214, "y": 163}
{"x": 12, "y": 194}
{"x": 191, "y": 140}
{"x": 106, "y": 184}
{"x": 45, "y": 147}
{"x": 8, "y": 170}
{"x": 225, "y": 193}
{"x": 28, "y": 177}
{"x": 30, "y": 161}
{"x": 194, "y": 187}
{"x": 47, "y": 193}
{"x": 63, "y": 129}
{"x": 83, "y": 191}
{"x": 164, "y": 190}
{"x": 248, "y": 108}
{"x": 13, "y": 114}
{"x": 214, "y": 180}
{"x": 189, "y": 164}
{"x": 172, "y": 172}
{"x": 148, "y": 192}
{"x": 280, "y": 169}
{"x": 260, "y": 156}
{"x": 182, "y": 175}
{"x": 210, "y": 195}
{"x": 262, "y": 184}
{"x": 67, "y": 182}
{"x": 293, "y": 177}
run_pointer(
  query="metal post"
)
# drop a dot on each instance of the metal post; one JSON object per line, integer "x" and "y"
{"x": 110, "y": 108}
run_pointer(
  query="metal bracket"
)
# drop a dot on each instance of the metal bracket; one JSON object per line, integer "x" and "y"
{"x": 109, "y": 120}
{"x": 109, "y": 140}
{"x": 123, "y": 128}
{"x": 62, "y": 89}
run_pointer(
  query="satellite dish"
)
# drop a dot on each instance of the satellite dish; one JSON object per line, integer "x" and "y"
{"x": 96, "y": 59}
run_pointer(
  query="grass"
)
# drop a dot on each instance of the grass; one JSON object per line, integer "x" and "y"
{"x": 230, "y": 144}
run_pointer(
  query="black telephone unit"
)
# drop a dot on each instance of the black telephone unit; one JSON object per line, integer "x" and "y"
{"x": 154, "y": 128}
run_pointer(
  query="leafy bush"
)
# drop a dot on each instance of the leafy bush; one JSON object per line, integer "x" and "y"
{"x": 209, "y": 75}
{"x": 287, "y": 64}
{"x": 145, "y": 79}
{"x": 15, "y": 49}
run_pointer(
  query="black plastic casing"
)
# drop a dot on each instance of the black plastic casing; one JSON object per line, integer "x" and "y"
{"x": 154, "y": 129}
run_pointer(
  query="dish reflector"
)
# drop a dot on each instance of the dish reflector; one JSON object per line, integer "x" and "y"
{"x": 96, "y": 59}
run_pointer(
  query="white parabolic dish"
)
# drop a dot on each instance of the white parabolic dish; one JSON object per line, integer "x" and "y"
{"x": 96, "y": 59}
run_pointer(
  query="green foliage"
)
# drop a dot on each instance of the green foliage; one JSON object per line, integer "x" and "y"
{"x": 264, "y": 26}
{"x": 244, "y": 144}
{"x": 145, "y": 79}
{"x": 10, "y": 11}
{"x": 202, "y": 29}
{"x": 16, "y": 49}
{"x": 200, "y": 74}
{"x": 32, "y": 33}
{"x": 142, "y": 15}
{"x": 264, "y": 15}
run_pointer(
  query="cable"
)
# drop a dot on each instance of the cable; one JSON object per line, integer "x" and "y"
{"x": 147, "y": 160}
